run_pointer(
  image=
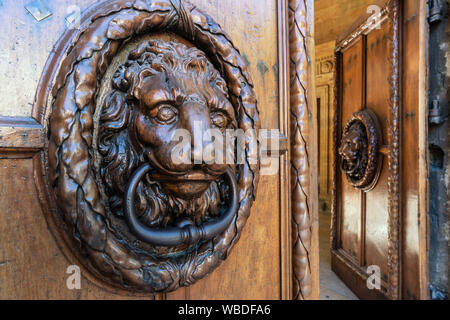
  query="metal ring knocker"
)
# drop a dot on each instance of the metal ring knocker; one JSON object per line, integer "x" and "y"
{"x": 185, "y": 234}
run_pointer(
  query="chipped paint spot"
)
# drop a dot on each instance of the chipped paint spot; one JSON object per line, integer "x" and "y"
{"x": 275, "y": 69}
{"x": 262, "y": 68}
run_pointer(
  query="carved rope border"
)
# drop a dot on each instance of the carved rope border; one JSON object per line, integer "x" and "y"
{"x": 301, "y": 125}
{"x": 392, "y": 12}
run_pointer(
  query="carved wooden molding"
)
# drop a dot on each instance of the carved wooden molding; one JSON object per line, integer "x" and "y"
{"x": 73, "y": 189}
{"x": 392, "y": 12}
{"x": 24, "y": 134}
{"x": 300, "y": 26}
{"x": 395, "y": 230}
{"x": 364, "y": 28}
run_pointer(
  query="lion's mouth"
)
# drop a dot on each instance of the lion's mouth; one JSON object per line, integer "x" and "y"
{"x": 193, "y": 176}
{"x": 350, "y": 164}
{"x": 190, "y": 185}
{"x": 185, "y": 185}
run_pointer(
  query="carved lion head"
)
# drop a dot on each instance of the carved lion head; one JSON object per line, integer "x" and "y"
{"x": 162, "y": 88}
{"x": 354, "y": 151}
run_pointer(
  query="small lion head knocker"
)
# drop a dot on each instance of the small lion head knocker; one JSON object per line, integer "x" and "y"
{"x": 359, "y": 151}
{"x": 353, "y": 151}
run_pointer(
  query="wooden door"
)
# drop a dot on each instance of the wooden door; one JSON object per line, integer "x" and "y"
{"x": 379, "y": 224}
{"x": 34, "y": 258}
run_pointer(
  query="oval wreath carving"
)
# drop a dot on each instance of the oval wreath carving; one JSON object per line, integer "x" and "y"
{"x": 68, "y": 91}
{"x": 361, "y": 160}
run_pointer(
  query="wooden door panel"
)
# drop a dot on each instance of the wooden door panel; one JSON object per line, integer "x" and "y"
{"x": 352, "y": 97}
{"x": 376, "y": 225}
{"x": 26, "y": 46}
{"x": 32, "y": 265}
{"x": 377, "y": 98}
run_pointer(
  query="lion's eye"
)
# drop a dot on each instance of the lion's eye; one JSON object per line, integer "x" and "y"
{"x": 164, "y": 114}
{"x": 219, "y": 120}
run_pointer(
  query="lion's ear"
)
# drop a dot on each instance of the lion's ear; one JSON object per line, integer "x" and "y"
{"x": 139, "y": 82}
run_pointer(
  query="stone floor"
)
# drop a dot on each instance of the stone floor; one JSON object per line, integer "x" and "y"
{"x": 331, "y": 287}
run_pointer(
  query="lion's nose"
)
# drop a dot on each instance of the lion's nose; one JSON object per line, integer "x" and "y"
{"x": 195, "y": 119}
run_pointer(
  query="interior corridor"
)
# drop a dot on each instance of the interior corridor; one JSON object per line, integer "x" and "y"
{"x": 331, "y": 287}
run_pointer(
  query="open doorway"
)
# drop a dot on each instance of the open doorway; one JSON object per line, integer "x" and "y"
{"x": 332, "y": 22}
{"x": 371, "y": 213}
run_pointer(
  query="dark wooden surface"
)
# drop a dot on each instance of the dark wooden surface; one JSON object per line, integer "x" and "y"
{"x": 259, "y": 266}
{"x": 352, "y": 98}
{"x": 377, "y": 204}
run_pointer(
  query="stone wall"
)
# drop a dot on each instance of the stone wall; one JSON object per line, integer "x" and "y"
{"x": 439, "y": 144}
